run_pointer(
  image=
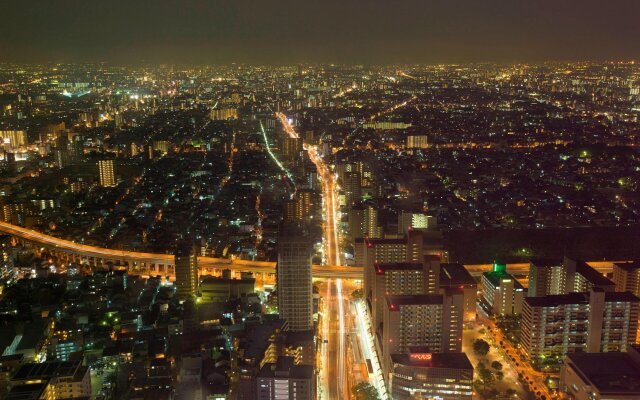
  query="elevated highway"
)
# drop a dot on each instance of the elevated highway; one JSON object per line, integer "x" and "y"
{"x": 156, "y": 263}
{"x": 162, "y": 264}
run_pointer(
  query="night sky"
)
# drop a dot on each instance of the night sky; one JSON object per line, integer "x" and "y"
{"x": 344, "y": 31}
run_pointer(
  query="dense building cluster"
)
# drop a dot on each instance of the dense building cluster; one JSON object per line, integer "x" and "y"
{"x": 200, "y": 204}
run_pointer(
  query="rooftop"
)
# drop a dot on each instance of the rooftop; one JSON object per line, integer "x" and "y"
{"x": 455, "y": 274}
{"x": 546, "y": 262}
{"x": 426, "y": 359}
{"x": 628, "y": 266}
{"x": 284, "y": 367}
{"x": 496, "y": 276}
{"x": 578, "y": 298}
{"x": 48, "y": 370}
{"x": 592, "y": 275}
{"x": 610, "y": 373}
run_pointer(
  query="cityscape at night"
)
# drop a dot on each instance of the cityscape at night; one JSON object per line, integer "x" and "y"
{"x": 345, "y": 215}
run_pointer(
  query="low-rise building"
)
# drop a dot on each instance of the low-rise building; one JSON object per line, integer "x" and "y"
{"x": 284, "y": 380}
{"x": 64, "y": 380}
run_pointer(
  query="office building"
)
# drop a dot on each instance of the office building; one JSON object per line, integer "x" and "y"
{"x": 600, "y": 376}
{"x": 626, "y": 277}
{"x": 502, "y": 294}
{"x": 549, "y": 277}
{"x": 421, "y": 374}
{"x": 283, "y": 380}
{"x": 295, "y": 297}
{"x": 431, "y": 321}
{"x": 107, "y": 173}
{"x": 595, "y": 321}
{"x": 186, "y": 269}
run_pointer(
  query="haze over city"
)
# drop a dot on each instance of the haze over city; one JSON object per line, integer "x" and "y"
{"x": 286, "y": 31}
{"x": 363, "y": 200}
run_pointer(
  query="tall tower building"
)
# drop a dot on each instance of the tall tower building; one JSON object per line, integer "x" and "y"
{"x": 295, "y": 297}
{"x": 186, "y": 267}
{"x": 106, "y": 171}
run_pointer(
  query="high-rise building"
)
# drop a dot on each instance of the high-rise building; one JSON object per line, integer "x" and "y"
{"x": 186, "y": 270}
{"x": 302, "y": 207}
{"x": 400, "y": 279}
{"x": 162, "y": 146}
{"x": 107, "y": 174}
{"x": 223, "y": 114}
{"x": 502, "y": 294}
{"x": 548, "y": 277}
{"x": 283, "y": 380}
{"x": 422, "y": 374}
{"x": 627, "y": 277}
{"x": 432, "y": 321}
{"x": 14, "y": 139}
{"x": 294, "y": 279}
{"x": 351, "y": 186}
{"x": 417, "y": 142}
{"x": 595, "y": 321}
{"x": 414, "y": 220}
{"x": 291, "y": 149}
{"x": 411, "y": 248}
{"x": 456, "y": 276}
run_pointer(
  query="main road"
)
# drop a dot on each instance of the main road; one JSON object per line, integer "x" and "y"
{"x": 334, "y": 369}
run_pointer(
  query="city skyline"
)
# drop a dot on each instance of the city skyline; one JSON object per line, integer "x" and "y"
{"x": 318, "y": 231}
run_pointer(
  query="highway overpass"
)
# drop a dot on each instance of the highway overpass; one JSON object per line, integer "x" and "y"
{"x": 162, "y": 264}
{"x": 153, "y": 263}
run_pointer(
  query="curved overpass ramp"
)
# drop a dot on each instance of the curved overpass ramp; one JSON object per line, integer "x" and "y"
{"x": 139, "y": 258}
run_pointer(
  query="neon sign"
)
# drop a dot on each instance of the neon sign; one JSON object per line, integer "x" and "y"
{"x": 420, "y": 356}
